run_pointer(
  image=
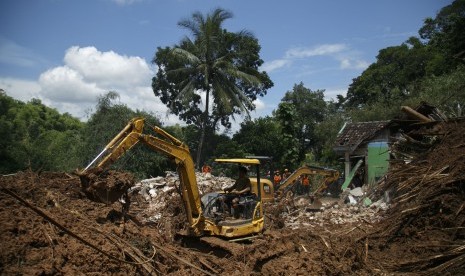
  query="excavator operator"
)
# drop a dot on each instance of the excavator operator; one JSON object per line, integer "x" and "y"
{"x": 241, "y": 188}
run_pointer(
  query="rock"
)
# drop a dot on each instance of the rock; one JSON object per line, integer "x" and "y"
{"x": 356, "y": 192}
{"x": 352, "y": 199}
{"x": 153, "y": 192}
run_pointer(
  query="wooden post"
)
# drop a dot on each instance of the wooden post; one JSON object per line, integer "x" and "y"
{"x": 347, "y": 164}
{"x": 415, "y": 114}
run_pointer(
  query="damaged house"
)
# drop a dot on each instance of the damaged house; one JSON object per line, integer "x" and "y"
{"x": 366, "y": 146}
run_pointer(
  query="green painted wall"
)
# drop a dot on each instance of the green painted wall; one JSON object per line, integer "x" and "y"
{"x": 378, "y": 160}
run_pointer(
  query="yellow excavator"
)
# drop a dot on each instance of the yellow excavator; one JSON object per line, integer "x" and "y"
{"x": 204, "y": 215}
{"x": 287, "y": 188}
{"x": 326, "y": 175}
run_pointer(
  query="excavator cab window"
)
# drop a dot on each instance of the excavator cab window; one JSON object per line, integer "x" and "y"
{"x": 220, "y": 207}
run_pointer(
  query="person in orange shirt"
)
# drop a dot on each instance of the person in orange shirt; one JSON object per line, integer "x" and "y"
{"x": 305, "y": 184}
{"x": 276, "y": 178}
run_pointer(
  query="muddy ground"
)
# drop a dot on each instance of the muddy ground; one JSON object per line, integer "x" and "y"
{"x": 49, "y": 227}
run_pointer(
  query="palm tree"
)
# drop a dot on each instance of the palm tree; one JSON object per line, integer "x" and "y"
{"x": 216, "y": 62}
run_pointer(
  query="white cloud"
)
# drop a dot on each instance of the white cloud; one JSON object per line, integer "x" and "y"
{"x": 22, "y": 90}
{"x": 125, "y": 2}
{"x": 15, "y": 54}
{"x": 339, "y": 52}
{"x": 331, "y": 93}
{"x": 63, "y": 84}
{"x": 87, "y": 74}
{"x": 353, "y": 63}
{"x": 109, "y": 69}
{"x": 275, "y": 64}
{"x": 320, "y": 50}
{"x": 259, "y": 105}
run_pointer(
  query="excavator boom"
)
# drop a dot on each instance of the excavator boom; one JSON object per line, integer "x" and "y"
{"x": 163, "y": 143}
{"x": 203, "y": 220}
{"x": 330, "y": 175}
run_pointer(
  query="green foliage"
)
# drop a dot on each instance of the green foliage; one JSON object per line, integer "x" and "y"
{"x": 326, "y": 132}
{"x": 375, "y": 112}
{"x": 108, "y": 120}
{"x": 286, "y": 115}
{"x": 446, "y": 33}
{"x": 447, "y": 92}
{"x": 310, "y": 111}
{"x": 57, "y": 150}
{"x": 390, "y": 77}
{"x": 189, "y": 135}
{"x": 430, "y": 70}
{"x": 260, "y": 137}
{"x": 25, "y": 128}
{"x": 229, "y": 149}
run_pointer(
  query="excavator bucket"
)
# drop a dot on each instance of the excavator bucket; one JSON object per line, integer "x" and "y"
{"x": 310, "y": 203}
{"x": 105, "y": 187}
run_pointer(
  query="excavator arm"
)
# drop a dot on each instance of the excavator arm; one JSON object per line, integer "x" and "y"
{"x": 165, "y": 144}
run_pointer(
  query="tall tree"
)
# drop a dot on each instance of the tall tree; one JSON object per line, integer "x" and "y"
{"x": 399, "y": 70}
{"x": 310, "y": 108}
{"x": 286, "y": 115}
{"x": 221, "y": 64}
{"x": 390, "y": 77}
{"x": 260, "y": 137}
{"x": 446, "y": 33}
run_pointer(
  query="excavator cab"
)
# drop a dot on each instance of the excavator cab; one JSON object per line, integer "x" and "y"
{"x": 218, "y": 207}
{"x": 242, "y": 212}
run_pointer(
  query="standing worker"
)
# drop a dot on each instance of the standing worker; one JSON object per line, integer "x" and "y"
{"x": 286, "y": 174}
{"x": 305, "y": 184}
{"x": 277, "y": 178}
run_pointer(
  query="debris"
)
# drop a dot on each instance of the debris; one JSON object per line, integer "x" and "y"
{"x": 357, "y": 192}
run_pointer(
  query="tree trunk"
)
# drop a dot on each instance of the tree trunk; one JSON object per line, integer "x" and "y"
{"x": 199, "y": 149}
{"x": 202, "y": 135}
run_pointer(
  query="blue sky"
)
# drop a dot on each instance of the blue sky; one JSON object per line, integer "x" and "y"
{"x": 67, "y": 53}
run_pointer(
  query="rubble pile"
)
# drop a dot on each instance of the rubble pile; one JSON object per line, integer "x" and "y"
{"x": 334, "y": 211}
{"x": 337, "y": 214}
{"x": 159, "y": 192}
{"x": 427, "y": 216}
{"x": 152, "y": 188}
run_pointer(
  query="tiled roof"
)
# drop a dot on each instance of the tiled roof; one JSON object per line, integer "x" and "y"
{"x": 353, "y": 134}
